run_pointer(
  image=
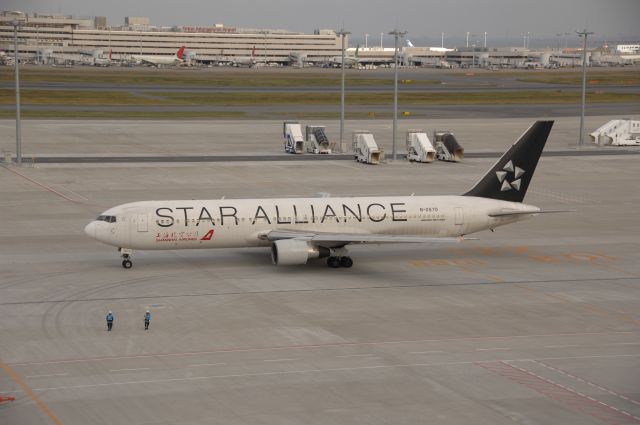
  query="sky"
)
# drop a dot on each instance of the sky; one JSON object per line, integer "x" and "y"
{"x": 425, "y": 20}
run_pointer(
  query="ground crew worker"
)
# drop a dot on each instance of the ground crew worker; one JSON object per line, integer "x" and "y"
{"x": 147, "y": 319}
{"x": 109, "y": 318}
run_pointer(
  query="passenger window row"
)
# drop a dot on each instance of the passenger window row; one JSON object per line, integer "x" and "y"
{"x": 107, "y": 218}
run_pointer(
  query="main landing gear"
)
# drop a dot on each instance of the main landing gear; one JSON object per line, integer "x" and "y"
{"x": 335, "y": 262}
{"x": 126, "y": 257}
{"x": 340, "y": 259}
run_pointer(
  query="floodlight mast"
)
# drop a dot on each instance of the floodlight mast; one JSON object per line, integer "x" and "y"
{"x": 584, "y": 33}
{"x": 397, "y": 34}
{"x": 18, "y": 19}
{"x": 342, "y": 33}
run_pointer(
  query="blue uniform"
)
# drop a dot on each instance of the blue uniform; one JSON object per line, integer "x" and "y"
{"x": 147, "y": 319}
{"x": 109, "y": 318}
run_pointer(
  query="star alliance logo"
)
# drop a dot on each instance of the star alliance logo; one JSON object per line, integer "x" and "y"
{"x": 504, "y": 174}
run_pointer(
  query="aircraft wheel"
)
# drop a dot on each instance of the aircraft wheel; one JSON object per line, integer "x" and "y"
{"x": 333, "y": 262}
{"x": 346, "y": 262}
{"x": 127, "y": 264}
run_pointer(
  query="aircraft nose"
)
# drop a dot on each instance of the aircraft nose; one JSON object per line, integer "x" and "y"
{"x": 90, "y": 229}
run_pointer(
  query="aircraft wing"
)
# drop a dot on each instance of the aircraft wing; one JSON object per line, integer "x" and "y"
{"x": 321, "y": 238}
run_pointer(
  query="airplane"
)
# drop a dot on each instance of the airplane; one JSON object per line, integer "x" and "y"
{"x": 161, "y": 60}
{"x": 349, "y": 61}
{"x": 248, "y": 61}
{"x": 98, "y": 60}
{"x": 300, "y": 229}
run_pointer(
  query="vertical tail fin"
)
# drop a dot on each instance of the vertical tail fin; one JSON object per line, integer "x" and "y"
{"x": 180, "y": 52}
{"x": 110, "y": 54}
{"x": 509, "y": 178}
{"x": 253, "y": 51}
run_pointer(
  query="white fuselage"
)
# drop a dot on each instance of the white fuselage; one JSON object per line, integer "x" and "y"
{"x": 157, "y": 60}
{"x": 227, "y": 223}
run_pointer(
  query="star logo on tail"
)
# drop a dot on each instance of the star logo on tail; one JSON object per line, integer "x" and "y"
{"x": 503, "y": 177}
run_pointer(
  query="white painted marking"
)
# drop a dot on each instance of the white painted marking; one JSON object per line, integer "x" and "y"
{"x": 47, "y": 375}
{"x": 562, "y": 346}
{"x": 303, "y": 371}
{"x": 129, "y": 370}
{"x": 355, "y": 355}
{"x": 280, "y": 360}
{"x": 562, "y": 372}
{"x": 493, "y": 349}
{"x": 568, "y": 389}
{"x": 426, "y": 352}
{"x": 626, "y": 343}
{"x": 239, "y": 350}
{"x": 72, "y": 192}
{"x": 206, "y": 364}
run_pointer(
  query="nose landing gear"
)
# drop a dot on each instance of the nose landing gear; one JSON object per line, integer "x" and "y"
{"x": 126, "y": 257}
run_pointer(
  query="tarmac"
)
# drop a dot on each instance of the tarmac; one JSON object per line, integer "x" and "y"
{"x": 535, "y": 323}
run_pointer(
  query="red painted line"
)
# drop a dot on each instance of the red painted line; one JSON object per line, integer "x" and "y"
{"x": 577, "y": 378}
{"x": 311, "y": 346}
{"x": 45, "y": 187}
{"x": 577, "y": 401}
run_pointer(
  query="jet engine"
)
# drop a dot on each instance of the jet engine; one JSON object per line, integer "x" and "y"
{"x": 289, "y": 252}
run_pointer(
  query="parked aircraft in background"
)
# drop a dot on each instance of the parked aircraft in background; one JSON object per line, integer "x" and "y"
{"x": 349, "y": 61}
{"x": 161, "y": 60}
{"x": 300, "y": 229}
{"x": 100, "y": 61}
{"x": 248, "y": 61}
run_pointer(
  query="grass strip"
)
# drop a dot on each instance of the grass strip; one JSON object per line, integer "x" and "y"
{"x": 106, "y": 98}
{"x": 180, "y": 77}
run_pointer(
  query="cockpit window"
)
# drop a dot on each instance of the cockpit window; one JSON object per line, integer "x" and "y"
{"x": 107, "y": 218}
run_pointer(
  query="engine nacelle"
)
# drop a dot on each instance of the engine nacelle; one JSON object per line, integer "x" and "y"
{"x": 289, "y": 252}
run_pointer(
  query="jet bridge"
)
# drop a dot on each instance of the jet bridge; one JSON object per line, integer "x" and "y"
{"x": 365, "y": 148}
{"x": 419, "y": 147}
{"x": 293, "y": 140}
{"x": 317, "y": 140}
{"x": 447, "y": 147}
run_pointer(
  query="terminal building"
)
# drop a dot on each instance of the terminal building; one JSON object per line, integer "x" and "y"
{"x": 67, "y": 37}
{"x": 56, "y": 38}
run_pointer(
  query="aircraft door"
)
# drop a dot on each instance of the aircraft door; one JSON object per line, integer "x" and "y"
{"x": 143, "y": 223}
{"x": 459, "y": 216}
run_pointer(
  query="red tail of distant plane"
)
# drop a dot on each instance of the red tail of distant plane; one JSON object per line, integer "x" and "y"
{"x": 253, "y": 51}
{"x": 180, "y": 53}
{"x": 109, "y": 54}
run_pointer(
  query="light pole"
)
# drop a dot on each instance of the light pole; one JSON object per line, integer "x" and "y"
{"x": 442, "y": 39}
{"x": 584, "y": 33}
{"x": 485, "y": 39}
{"x": 381, "y": 34}
{"x": 366, "y": 39}
{"x": 397, "y": 34}
{"x": 467, "y": 38}
{"x": 18, "y": 20}
{"x": 342, "y": 33}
